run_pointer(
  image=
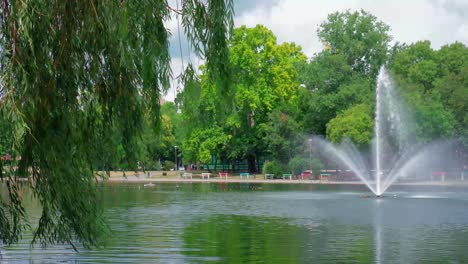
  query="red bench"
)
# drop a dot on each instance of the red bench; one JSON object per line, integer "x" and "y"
{"x": 223, "y": 174}
{"x": 306, "y": 175}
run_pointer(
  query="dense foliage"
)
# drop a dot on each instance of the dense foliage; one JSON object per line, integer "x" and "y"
{"x": 264, "y": 79}
{"x": 435, "y": 84}
{"x": 355, "y": 123}
{"x": 80, "y": 80}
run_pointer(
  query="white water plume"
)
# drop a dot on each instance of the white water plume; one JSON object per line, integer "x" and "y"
{"x": 394, "y": 155}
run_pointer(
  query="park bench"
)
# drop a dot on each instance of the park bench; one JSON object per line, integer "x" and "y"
{"x": 325, "y": 176}
{"x": 269, "y": 176}
{"x": 187, "y": 175}
{"x": 223, "y": 174}
{"x": 286, "y": 175}
{"x": 205, "y": 174}
{"x": 244, "y": 174}
{"x": 306, "y": 175}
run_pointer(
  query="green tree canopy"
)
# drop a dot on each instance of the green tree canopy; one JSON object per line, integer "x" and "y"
{"x": 360, "y": 37}
{"x": 434, "y": 83}
{"x": 205, "y": 142}
{"x": 344, "y": 73}
{"x": 355, "y": 124}
{"x": 282, "y": 136}
{"x": 264, "y": 79}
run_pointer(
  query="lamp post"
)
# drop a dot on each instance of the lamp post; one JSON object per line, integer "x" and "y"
{"x": 175, "y": 157}
{"x": 310, "y": 154}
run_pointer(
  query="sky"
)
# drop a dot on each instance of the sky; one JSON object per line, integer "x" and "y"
{"x": 439, "y": 21}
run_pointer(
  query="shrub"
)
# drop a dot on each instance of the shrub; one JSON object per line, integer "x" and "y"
{"x": 317, "y": 166}
{"x": 273, "y": 167}
{"x": 168, "y": 165}
{"x": 298, "y": 164}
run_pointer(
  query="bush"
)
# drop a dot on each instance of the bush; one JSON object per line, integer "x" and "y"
{"x": 298, "y": 164}
{"x": 273, "y": 167}
{"x": 168, "y": 165}
{"x": 151, "y": 165}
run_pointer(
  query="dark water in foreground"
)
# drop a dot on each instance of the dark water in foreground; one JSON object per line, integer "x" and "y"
{"x": 246, "y": 223}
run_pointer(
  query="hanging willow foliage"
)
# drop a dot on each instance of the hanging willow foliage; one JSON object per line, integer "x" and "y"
{"x": 71, "y": 70}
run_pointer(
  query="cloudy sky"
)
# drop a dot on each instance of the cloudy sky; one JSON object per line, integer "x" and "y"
{"x": 440, "y": 21}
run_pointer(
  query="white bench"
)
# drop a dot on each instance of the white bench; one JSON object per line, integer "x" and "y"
{"x": 187, "y": 175}
{"x": 205, "y": 174}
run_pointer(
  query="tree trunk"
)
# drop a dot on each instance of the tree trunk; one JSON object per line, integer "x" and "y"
{"x": 252, "y": 164}
{"x": 216, "y": 163}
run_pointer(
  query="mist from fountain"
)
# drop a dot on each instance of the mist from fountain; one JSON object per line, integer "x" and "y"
{"x": 394, "y": 152}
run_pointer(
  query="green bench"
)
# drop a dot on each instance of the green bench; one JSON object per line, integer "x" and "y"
{"x": 325, "y": 176}
{"x": 244, "y": 174}
{"x": 286, "y": 175}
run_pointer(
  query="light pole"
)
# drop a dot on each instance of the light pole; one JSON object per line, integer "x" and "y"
{"x": 310, "y": 154}
{"x": 175, "y": 157}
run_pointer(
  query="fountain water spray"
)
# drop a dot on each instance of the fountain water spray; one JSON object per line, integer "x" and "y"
{"x": 377, "y": 125}
{"x": 395, "y": 154}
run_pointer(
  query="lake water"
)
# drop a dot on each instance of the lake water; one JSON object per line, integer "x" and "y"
{"x": 271, "y": 223}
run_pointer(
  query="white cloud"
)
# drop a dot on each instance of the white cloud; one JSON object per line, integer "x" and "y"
{"x": 441, "y": 21}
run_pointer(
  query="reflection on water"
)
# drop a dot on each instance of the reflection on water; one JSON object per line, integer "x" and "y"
{"x": 378, "y": 230}
{"x": 252, "y": 223}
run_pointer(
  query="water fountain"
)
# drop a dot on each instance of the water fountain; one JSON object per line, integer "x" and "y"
{"x": 395, "y": 153}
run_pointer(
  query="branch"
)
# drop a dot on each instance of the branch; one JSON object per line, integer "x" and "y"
{"x": 14, "y": 49}
{"x": 177, "y": 11}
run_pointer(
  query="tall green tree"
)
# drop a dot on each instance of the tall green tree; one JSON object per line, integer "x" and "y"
{"x": 453, "y": 85}
{"x": 434, "y": 83}
{"x": 205, "y": 142}
{"x": 71, "y": 69}
{"x": 417, "y": 62}
{"x": 344, "y": 73}
{"x": 282, "y": 136}
{"x": 265, "y": 79}
{"x": 157, "y": 144}
{"x": 360, "y": 37}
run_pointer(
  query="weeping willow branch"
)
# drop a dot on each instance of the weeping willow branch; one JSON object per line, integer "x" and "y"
{"x": 80, "y": 72}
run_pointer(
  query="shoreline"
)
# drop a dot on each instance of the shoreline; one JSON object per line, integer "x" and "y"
{"x": 143, "y": 179}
